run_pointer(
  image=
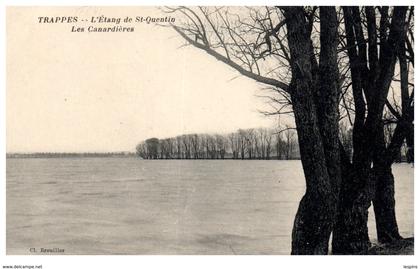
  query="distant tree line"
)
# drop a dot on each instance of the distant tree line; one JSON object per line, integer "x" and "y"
{"x": 69, "y": 154}
{"x": 254, "y": 143}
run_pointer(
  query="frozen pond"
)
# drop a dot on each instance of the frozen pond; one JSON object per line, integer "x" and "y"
{"x": 133, "y": 206}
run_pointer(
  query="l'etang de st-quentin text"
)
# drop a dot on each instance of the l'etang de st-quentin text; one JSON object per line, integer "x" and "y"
{"x": 115, "y": 21}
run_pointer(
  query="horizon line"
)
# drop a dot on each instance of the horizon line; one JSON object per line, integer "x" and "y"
{"x": 70, "y": 152}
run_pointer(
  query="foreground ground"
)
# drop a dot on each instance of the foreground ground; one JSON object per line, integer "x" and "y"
{"x": 401, "y": 247}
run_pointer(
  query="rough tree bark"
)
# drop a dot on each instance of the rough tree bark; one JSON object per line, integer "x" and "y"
{"x": 318, "y": 139}
{"x": 384, "y": 203}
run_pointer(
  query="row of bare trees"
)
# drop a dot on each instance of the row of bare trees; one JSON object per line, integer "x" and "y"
{"x": 253, "y": 143}
{"x": 325, "y": 66}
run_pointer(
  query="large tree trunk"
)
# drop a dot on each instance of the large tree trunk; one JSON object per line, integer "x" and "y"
{"x": 384, "y": 204}
{"x": 314, "y": 220}
{"x": 383, "y": 200}
{"x": 350, "y": 234}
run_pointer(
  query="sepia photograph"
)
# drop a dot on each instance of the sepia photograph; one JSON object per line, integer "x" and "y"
{"x": 209, "y": 130}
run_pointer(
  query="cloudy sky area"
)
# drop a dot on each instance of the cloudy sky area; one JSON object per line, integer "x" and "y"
{"x": 99, "y": 92}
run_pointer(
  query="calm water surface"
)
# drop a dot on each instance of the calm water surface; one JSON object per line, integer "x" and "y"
{"x": 133, "y": 206}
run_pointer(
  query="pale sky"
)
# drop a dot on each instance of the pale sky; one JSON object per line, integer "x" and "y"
{"x": 78, "y": 92}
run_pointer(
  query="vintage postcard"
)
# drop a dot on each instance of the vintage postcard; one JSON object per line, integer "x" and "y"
{"x": 209, "y": 130}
